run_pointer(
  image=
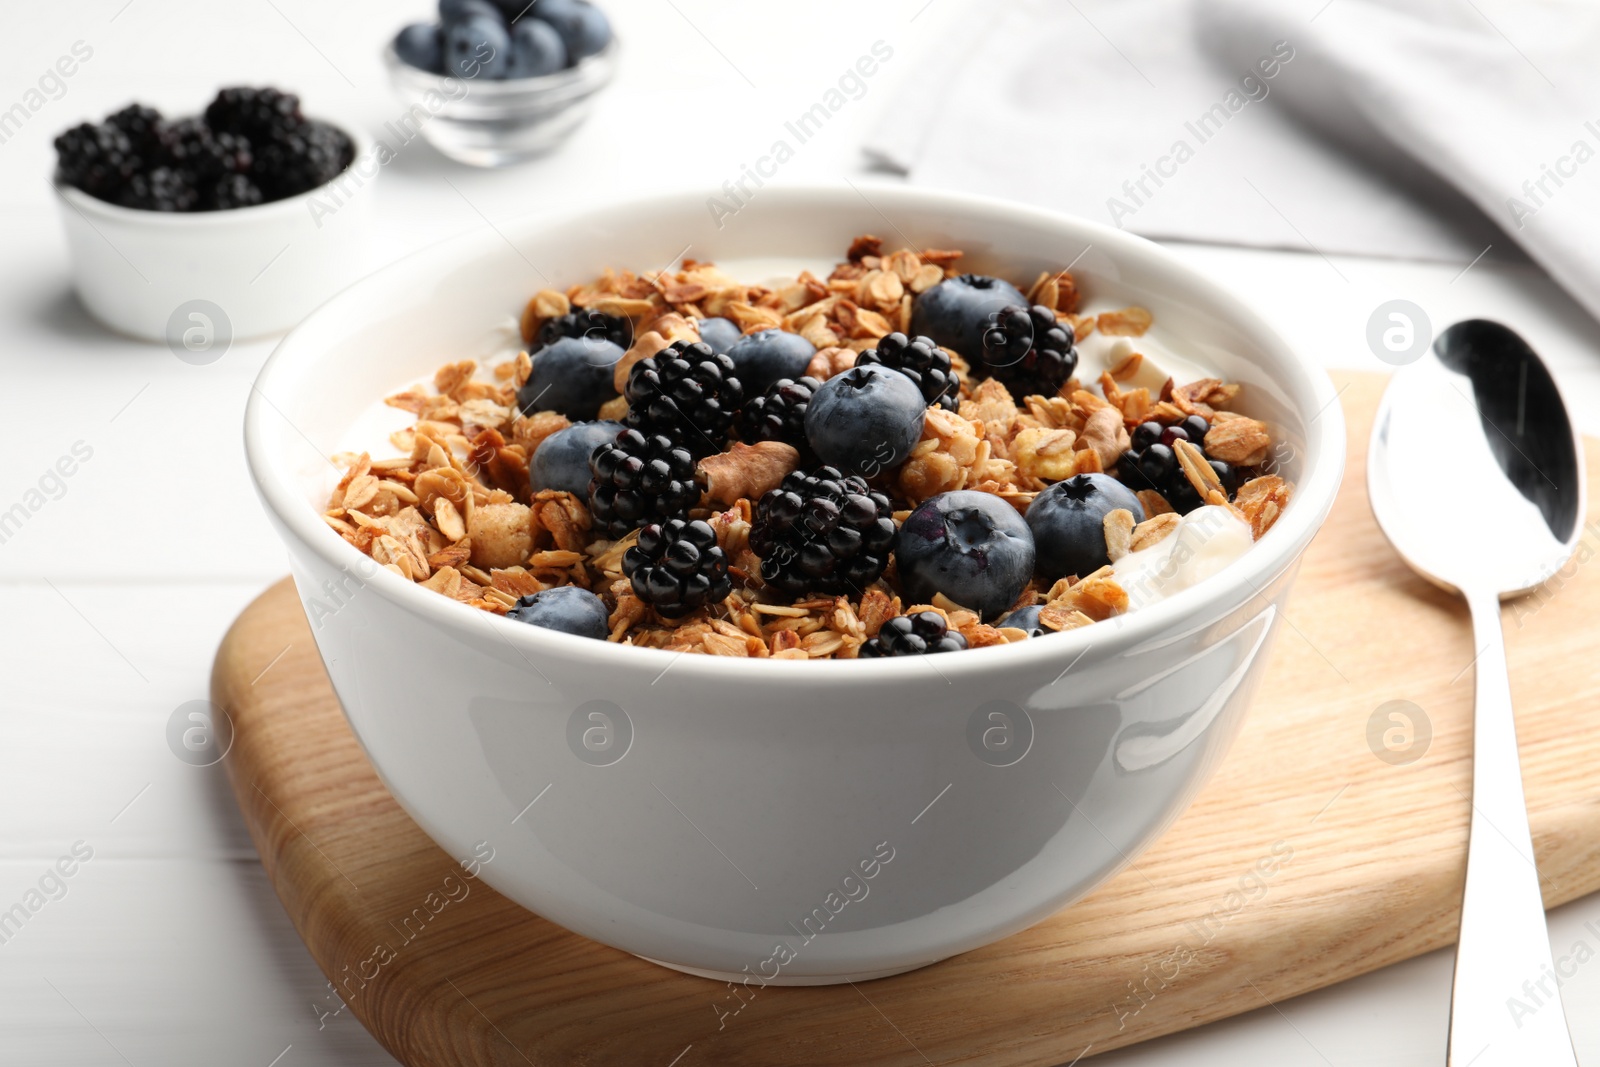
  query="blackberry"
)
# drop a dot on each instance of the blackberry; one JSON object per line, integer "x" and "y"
{"x": 262, "y": 115}
{"x": 822, "y": 532}
{"x": 1028, "y": 351}
{"x": 639, "y": 479}
{"x": 161, "y": 189}
{"x": 191, "y": 146}
{"x": 143, "y": 127}
{"x": 581, "y": 323}
{"x": 300, "y": 161}
{"x": 781, "y": 414}
{"x": 97, "y": 159}
{"x": 921, "y": 634}
{"x": 1151, "y": 462}
{"x": 686, "y": 391}
{"x": 232, "y": 191}
{"x": 678, "y": 567}
{"x": 919, "y": 359}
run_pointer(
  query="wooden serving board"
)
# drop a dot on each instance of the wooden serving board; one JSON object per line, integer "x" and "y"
{"x": 1307, "y": 860}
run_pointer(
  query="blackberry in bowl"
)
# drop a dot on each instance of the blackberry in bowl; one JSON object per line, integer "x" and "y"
{"x": 251, "y": 146}
{"x": 822, "y": 532}
{"x": 497, "y": 83}
{"x": 247, "y": 215}
{"x": 921, "y": 634}
{"x": 1029, "y": 351}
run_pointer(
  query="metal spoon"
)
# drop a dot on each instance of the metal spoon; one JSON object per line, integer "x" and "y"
{"x": 1476, "y": 476}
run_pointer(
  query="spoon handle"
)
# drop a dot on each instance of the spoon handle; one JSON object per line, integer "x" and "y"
{"x": 1505, "y": 1008}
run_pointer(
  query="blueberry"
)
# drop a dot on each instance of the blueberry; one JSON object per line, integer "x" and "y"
{"x": 762, "y": 358}
{"x": 420, "y": 45}
{"x": 536, "y": 50}
{"x": 566, "y": 608}
{"x": 572, "y": 376}
{"x": 582, "y": 26}
{"x": 956, "y": 312}
{"x": 562, "y": 460}
{"x": 720, "y": 334}
{"x": 477, "y": 46}
{"x": 1068, "y": 523}
{"x": 460, "y": 10}
{"x": 973, "y": 547}
{"x": 1025, "y": 619}
{"x": 866, "y": 420}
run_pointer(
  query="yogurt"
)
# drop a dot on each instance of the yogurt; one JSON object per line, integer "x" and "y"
{"x": 1205, "y": 541}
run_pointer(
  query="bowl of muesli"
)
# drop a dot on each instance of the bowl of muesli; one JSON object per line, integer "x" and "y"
{"x": 783, "y": 603}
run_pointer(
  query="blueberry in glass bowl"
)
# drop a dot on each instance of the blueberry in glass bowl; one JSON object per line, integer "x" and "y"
{"x": 497, "y": 82}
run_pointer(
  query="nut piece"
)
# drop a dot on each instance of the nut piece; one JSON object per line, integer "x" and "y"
{"x": 1128, "y": 368}
{"x": 1057, "y": 617}
{"x": 750, "y": 319}
{"x": 1243, "y": 442}
{"x": 1058, "y": 292}
{"x": 448, "y": 519}
{"x": 546, "y": 304}
{"x": 991, "y": 404}
{"x": 646, "y": 344}
{"x": 830, "y": 361}
{"x": 446, "y": 483}
{"x": 563, "y": 516}
{"x": 1154, "y": 503}
{"x": 949, "y": 456}
{"x": 1098, "y": 596}
{"x": 1153, "y": 530}
{"x": 1118, "y": 525}
{"x": 1204, "y": 397}
{"x": 675, "y": 327}
{"x": 1262, "y": 500}
{"x": 1105, "y": 433}
{"x": 1045, "y": 454}
{"x": 1197, "y": 470}
{"x": 747, "y": 471}
{"x": 1128, "y": 322}
{"x": 501, "y": 534}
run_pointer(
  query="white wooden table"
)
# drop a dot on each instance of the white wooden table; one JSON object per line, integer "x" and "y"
{"x": 167, "y": 947}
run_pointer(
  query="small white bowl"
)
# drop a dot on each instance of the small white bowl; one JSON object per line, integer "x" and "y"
{"x": 779, "y": 821}
{"x": 488, "y": 123}
{"x": 247, "y": 272}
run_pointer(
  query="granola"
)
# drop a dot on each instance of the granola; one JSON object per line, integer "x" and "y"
{"x": 454, "y": 510}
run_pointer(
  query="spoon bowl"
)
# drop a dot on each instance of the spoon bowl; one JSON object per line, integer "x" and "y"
{"x": 1474, "y": 471}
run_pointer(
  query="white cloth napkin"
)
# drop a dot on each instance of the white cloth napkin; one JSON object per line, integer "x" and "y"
{"x": 1416, "y": 128}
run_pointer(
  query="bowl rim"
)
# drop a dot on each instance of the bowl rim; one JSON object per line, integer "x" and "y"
{"x": 597, "y": 68}
{"x": 87, "y": 205}
{"x": 1207, "y": 601}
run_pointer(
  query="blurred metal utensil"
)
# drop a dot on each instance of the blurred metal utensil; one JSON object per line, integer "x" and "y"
{"x": 1476, "y": 477}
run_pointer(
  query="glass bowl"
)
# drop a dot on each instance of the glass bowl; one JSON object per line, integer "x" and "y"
{"x": 496, "y": 123}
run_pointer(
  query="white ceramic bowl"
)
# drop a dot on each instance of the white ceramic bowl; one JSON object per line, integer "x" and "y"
{"x": 145, "y": 273}
{"x": 801, "y": 822}
{"x": 487, "y": 123}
